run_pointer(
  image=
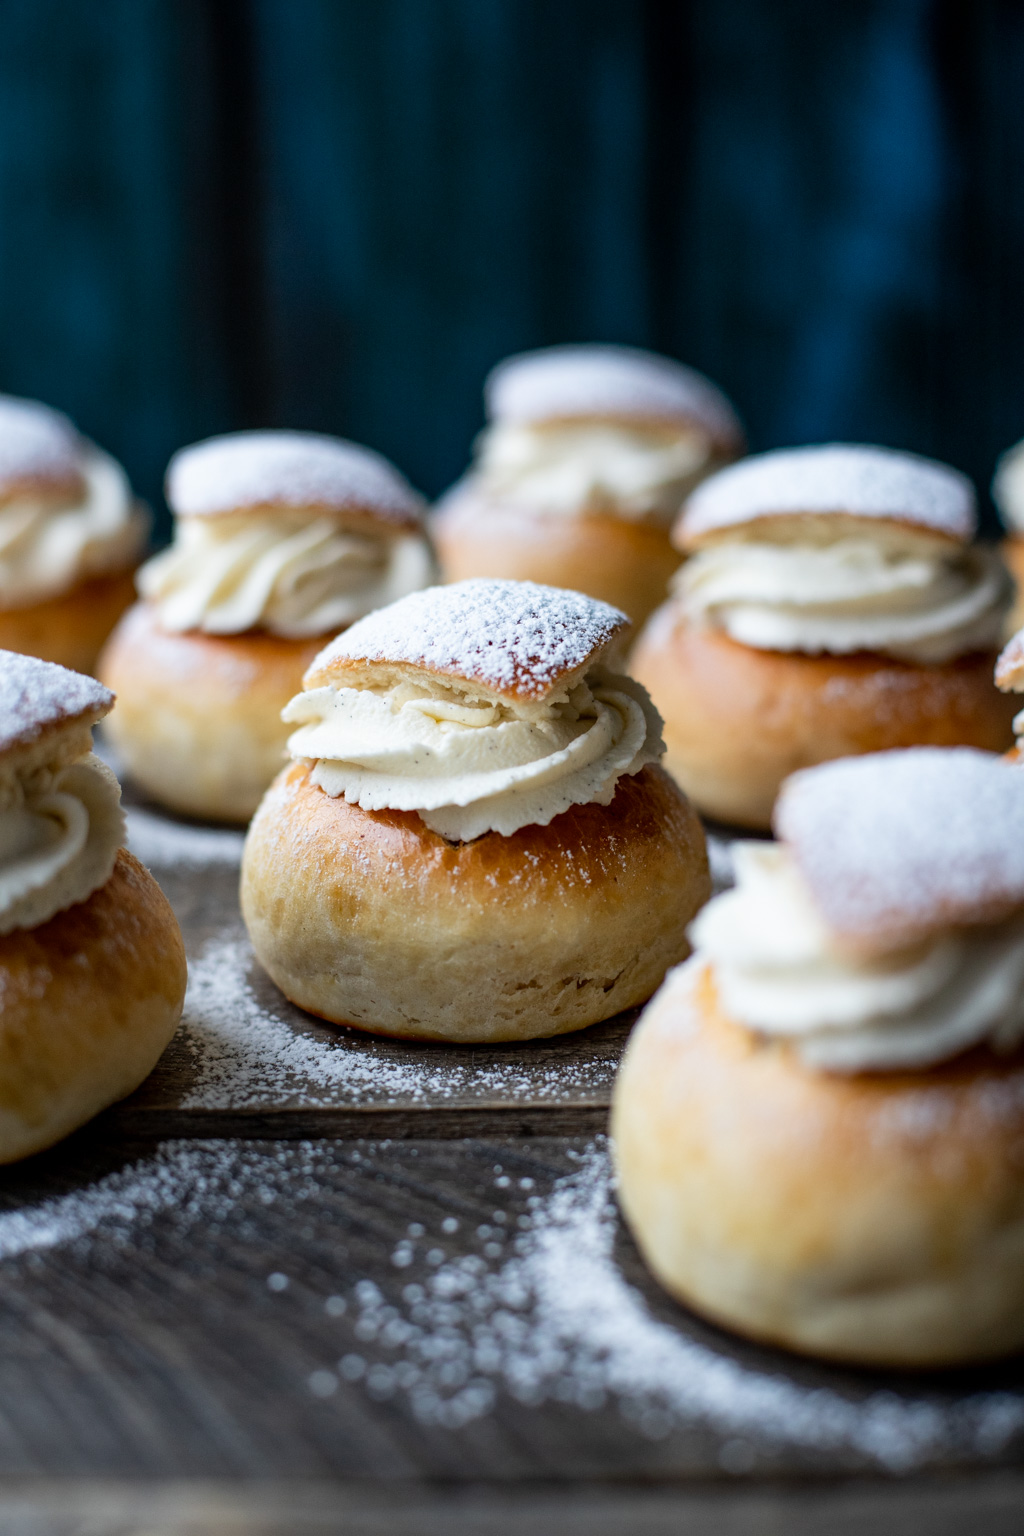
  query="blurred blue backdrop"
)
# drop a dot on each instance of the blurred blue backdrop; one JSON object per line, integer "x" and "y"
{"x": 339, "y": 213}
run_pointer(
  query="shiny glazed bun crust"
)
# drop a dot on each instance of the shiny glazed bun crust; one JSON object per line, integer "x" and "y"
{"x": 872, "y": 1219}
{"x": 90, "y": 1000}
{"x": 69, "y": 629}
{"x": 368, "y": 918}
{"x": 198, "y": 720}
{"x": 625, "y": 562}
{"x": 738, "y": 720}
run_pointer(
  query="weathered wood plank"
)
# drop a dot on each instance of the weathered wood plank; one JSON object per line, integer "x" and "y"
{"x": 464, "y": 1311}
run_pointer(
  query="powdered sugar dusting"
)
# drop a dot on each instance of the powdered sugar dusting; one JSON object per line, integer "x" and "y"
{"x": 157, "y": 840}
{"x": 35, "y": 694}
{"x": 252, "y": 1050}
{"x": 35, "y": 442}
{"x": 596, "y": 380}
{"x": 896, "y": 845}
{"x": 514, "y": 637}
{"x": 291, "y": 469}
{"x": 839, "y": 477}
{"x": 1010, "y": 666}
{"x": 557, "y": 1319}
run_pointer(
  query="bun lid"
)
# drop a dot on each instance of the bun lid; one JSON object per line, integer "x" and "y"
{"x": 899, "y": 846}
{"x": 40, "y": 450}
{"x": 40, "y": 701}
{"x": 514, "y": 640}
{"x": 305, "y": 472}
{"x": 1008, "y": 488}
{"x": 795, "y": 490}
{"x": 562, "y": 383}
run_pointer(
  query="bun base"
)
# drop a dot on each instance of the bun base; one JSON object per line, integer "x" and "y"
{"x": 90, "y": 1001}
{"x": 739, "y": 720}
{"x": 198, "y": 719}
{"x": 872, "y": 1219}
{"x": 619, "y": 560}
{"x": 368, "y": 918}
{"x": 69, "y": 629}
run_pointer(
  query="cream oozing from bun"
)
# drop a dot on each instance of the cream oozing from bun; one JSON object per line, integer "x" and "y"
{"x": 886, "y": 930}
{"x": 294, "y": 578}
{"x": 516, "y": 720}
{"x": 290, "y": 532}
{"x": 781, "y": 971}
{"x": 842, "y": 549}
{"x": 67, "y": 513}
{"x": 61, "y": 822}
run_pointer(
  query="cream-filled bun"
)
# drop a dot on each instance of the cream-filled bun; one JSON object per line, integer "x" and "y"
{"x": 588, "y": 455}
{"x": 281, "y": 539}
{"x": 71, "y": 534}
{"x": 832, "y": 603}
{"x": 475, "y": 841}
{"x": 819, "y": 1120}
{"x": 92, "y": 967}
{"x": 1008, "y": 495}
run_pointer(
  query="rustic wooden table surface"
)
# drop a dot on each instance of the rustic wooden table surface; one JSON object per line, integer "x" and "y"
{"x": 303, "y": 1281}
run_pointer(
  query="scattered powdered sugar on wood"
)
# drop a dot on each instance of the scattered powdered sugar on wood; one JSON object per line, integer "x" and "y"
{"x": 557, "y": 1320}
{"x": 254, "y": 1053}
{"x": 35, "y": 441}
{"x": 37, "y": 694}
{"x": 839, "y": 477}
{"x": 595, "y": 380}
{"x": 514, "y": 637}
{"x": 297, "y": 469}
{"x": 158, "y": 841}
{"x": 897, "y": 845}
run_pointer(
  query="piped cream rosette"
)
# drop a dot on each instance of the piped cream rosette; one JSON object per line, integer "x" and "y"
{"x": 291, "y": 533}
{"x": 467, "y": 757}
{"x": 838, "y": 550}
{"x": 595, "y": 429}
{"x": 885, "y": 931}
{"x": 67, "y": 513}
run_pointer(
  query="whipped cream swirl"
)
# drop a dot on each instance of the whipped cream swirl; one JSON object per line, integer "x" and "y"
{"x": 293, "y": 577}
{"x": 572, "y": 468}
{"x": 45, "y": 549}
{"x": 470, "y": 765}
{"x": 780, "y": 971}
{"x": 59, "y": 836}
{"x": 852, "y": 595}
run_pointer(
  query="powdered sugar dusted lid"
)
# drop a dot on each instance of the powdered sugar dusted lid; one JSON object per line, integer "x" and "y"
{"x": 862, "y": 482}
{"x": 300, "y": 471}
{"x": 39, "y": 448}
{"x": 512, "y": 638}
{"x": 37, "y": 696}
{"x": 560, "y": 383}
{"x": 896, "y": 846}
{"x": 1010, "y": 666}
{"x": 1008, "y": 488}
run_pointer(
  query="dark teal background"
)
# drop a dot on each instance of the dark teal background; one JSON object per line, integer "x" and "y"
{"x": 339, "y": 213}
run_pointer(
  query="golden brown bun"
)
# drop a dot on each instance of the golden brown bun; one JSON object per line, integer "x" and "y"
{"x": 627, "y": 564}
{"x": 69, "y": 629}
{"x": 1012, "y": 551}
{"x": 198, "y": 719}
{"x": 369, "y": 918}
{"x": 874, "y": 1219}
{"x": 90, "y": 1000}
{"x": 739, "y": 720}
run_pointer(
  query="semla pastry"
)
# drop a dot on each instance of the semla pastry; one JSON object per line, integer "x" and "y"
{"x": 281, "y": 539}
{"x": 832, "y": 604}
{"x": 92, "y": 966}
{"x": 475, "y": 842}
{"x": 819, "y": 1120}
{"x": 71, "y": 535}
{"x": 588, "y": 455}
